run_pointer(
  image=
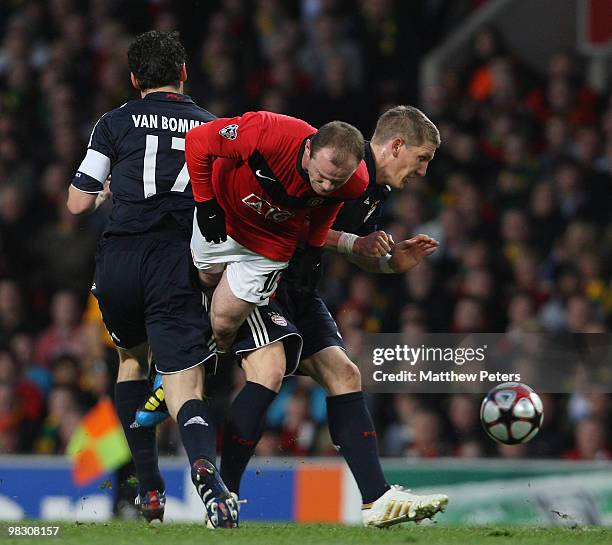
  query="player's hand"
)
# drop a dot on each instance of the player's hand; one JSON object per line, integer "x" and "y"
{"x": 376, "y": 244}
{"x": 310, "y": 268}
{"x": 409, "y": 253}
{"x": 211, "y": 221}
{"x": 104, "y": 195}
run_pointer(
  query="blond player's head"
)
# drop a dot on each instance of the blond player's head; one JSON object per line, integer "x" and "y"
{"x": 404, "y": 142}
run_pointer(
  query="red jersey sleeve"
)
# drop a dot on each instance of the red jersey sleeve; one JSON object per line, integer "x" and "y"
{"x": 229, "y": 137}
{"x": 321, "y": 220}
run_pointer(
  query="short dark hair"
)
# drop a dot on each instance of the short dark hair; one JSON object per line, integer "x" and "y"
{"x": 346, "y": 141}
{"x": 406, "y": 122}
{"x": 156, "y": 58}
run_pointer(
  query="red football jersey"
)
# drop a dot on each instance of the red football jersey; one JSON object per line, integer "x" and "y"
{"x": 257, "y": 178}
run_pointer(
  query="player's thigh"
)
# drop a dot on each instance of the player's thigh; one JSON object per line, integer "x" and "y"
{"x": 332, "y": 369}
{"x": 227, "y": 310}
{"x": 266, "y": 365}
{"x": 177, "y": 325}
{"x": 119, "y": 292}
{"x": 266, "y": 325}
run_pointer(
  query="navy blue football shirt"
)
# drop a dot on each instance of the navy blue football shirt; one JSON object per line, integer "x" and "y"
{"x": 362, "y": 216}
{"x": 142, "y": 146}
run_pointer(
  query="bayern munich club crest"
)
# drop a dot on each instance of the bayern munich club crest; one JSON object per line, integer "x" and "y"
{"x": 315, "y": 201}
{"x": 278, "y": 319}
{"x": 230, "y": 132}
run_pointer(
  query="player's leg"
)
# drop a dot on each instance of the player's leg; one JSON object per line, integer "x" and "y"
{"x": 130, "y": 391}
{"x": 184, "y": 394}
{"x": 117, "y": 288}
{"x": 264, "y": 370}
{"x": 227, "y": 314}
{"x": 350, "y": 424}
{"x": 270, "y": 346}
{"x": 177, "y": 328}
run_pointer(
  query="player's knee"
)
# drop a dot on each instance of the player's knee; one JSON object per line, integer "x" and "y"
{"x": 223, "y": 325}
{"x": 344, "y": 379}
{"x": 270, "y": 375}
{"x": 275, "y": 376}
{"x": 350, "y": 375}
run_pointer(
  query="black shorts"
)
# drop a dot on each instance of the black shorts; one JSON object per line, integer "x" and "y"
{"x": 268, "y": 324}
{"x": 146, "y": 288}
{"x": 308, "y": 313}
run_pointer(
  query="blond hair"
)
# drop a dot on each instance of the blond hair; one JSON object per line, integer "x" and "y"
{"x": 408, "y": 123}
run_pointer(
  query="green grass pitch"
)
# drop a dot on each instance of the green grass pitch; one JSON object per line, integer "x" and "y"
{"x": 135, "y": 533}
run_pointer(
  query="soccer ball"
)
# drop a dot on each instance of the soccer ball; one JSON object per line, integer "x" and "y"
{"x": 512, "y": 413}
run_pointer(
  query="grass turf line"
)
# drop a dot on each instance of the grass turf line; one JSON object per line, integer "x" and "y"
{"x": 136, "y": 533}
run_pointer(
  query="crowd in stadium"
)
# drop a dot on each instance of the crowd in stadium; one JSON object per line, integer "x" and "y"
{"x": 518, "y": 195}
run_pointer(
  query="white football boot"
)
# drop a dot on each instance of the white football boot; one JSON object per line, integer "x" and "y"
{"x": 237, "y": 502}
{"x": 398, "y": 505}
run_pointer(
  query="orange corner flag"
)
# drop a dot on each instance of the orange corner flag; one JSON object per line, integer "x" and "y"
{"x": 98, "y": 445}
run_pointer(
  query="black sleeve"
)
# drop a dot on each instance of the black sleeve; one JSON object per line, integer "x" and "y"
{"x": 96, "y": 165}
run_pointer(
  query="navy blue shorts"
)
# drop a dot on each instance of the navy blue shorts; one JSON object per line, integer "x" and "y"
{"x": 291, "y": 316}
{"x": 147, "y": 291}
{"x": 268, "y": 324}
{"x": 310, "y": 316}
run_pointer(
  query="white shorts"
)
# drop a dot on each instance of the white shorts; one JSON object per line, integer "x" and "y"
{"x": 251, "y": 277}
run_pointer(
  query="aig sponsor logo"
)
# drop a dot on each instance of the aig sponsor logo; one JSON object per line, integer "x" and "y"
{"x": 267, "y": 210}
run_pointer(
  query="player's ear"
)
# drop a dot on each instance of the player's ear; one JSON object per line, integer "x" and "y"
{"x": 183, "y": 76}
{"x": 134, "y": 81}
{"x": 307, "y": 149}
{"x": 396, "y": 145}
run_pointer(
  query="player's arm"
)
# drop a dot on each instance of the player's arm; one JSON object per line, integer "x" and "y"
{"x": 229, "y": 137}
{"x": 82, "y": 203}
{"x": 376, "y": 244}
{"x": 90, "y": 187}
{"x": 404, "y": 256}
{"x": 232, "y": 138}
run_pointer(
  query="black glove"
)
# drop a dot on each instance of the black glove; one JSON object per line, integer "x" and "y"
{"x": 309, "y": 268}
{"x": 211, "y": 221}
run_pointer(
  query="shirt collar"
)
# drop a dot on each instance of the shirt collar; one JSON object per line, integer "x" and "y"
{"x": 167, "y": 96}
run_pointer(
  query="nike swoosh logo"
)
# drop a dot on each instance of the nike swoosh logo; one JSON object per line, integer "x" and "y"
{"x": 260, "y": 175}
{"x": 212, "y": 217}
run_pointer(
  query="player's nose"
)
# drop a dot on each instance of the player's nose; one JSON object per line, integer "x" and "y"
{"x": 327, "y": 186}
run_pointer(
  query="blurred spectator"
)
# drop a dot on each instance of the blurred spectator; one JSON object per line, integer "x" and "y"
{"x": 297, "y": 432}
{"x": 590, "y": 441}
{"x": 401, "y": 433}
{"x": 64, "y": 334}
{"x": 13, "y": 316}
{"x": 463, "y": 413}
{"x": 62, "y": 418}
{"x": 427, "y": 441}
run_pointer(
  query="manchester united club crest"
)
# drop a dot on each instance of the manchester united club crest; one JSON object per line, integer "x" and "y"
{"x": 315, "y": 201}
{"x": 278, "y": 319}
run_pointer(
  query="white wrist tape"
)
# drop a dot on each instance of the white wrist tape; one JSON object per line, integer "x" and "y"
{"x": 346, "y": 241}
{"x": 385, "y": 265}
